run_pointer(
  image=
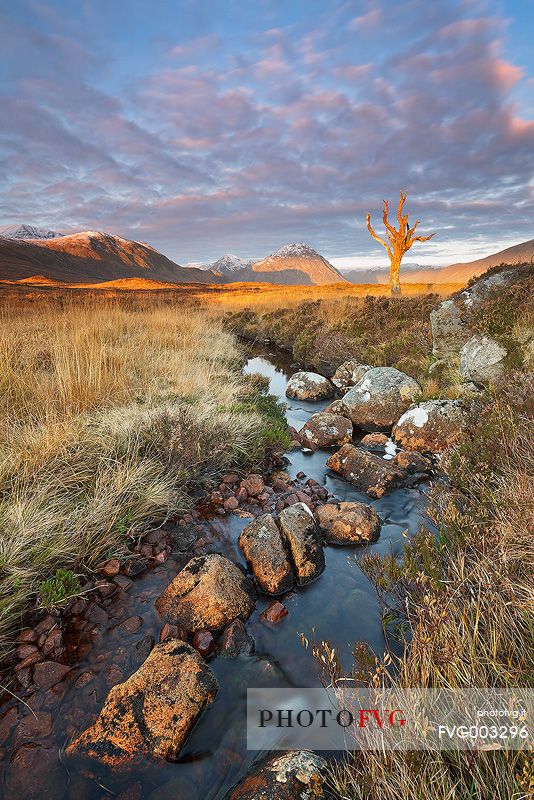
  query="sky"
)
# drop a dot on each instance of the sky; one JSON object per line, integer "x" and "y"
{"x": 210, "y": 126}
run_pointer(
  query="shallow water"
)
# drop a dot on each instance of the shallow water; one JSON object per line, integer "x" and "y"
{"x": 340, "y": 607}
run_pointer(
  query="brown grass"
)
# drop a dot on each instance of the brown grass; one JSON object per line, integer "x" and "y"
{"x": 467, "y": 597}
{"x": 108, "y": 416}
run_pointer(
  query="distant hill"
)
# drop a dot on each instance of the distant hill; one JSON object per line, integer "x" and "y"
{"x": 463, "y": 272}
{"x": 229, "y": 265}
{"x": 26, "y": 232}
{"x": 296, "y": 264}
{"x": 92, "y": 256}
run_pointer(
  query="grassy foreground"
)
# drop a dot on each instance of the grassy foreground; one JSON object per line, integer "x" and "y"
{"x": 109, "y": 416}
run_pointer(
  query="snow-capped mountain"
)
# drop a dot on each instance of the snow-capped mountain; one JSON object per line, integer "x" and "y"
{"x": 296, "y": 263}
{"x": 228, "y": 264}
{"x": 27, "y": 232}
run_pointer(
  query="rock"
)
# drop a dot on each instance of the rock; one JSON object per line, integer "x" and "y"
{"x": 335, "y": 407}
{"x": 111, "y": 568}
{"x": 235, "y": 641}
{"x": 131, "y": 625}
{"x": 34, "y": 773}
{"x": 204, "y": 643}
{"x": 432, "y": 426}
{"x": 53, "y": 640}
{"x": 173, "y": 632}
{"x": 379, "y": 399}
{"x": 274, "y": 612}
{"x": 295, "y": 775}
{"x": 309, "y": 386}
{"x": 449, "y": 331}
{"x": 349, "y": 374}
{"x": 299, "y": 531}
{"x": 231, "y": 503}
{"x": 374, "y": 440}
{"x": 209, "y": 592}
{"x": 263, "y": 548}
{"x": 143, "y": 647}
{"x": 371, "y": 474}
{"x": 47, "y": 673}
{"x": 482, "y": 359}
{"x": 153, "y": 712}
{"x": 45, "y": 624}
{"x": 348, "y": 522}
{"x": 413, "y": 462}
{"x": 326, "y": 430}
{"x": 253, "y": 485}
{"x": 27, "y": 636}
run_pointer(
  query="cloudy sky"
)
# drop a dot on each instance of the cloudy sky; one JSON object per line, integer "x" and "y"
{"x": 208, "y": 126}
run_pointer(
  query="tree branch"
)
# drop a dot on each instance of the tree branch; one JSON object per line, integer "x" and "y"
{"x": 378, "y": 239}
{"x": 390, "y": 229}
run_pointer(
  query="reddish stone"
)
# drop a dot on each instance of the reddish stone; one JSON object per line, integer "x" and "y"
{"x": 131, "y": 625}
{"x": 230, "y": 478}
{"x": 253, "y": 485}
{"x": 204, "y": 642}
{"x": 275, "y": 612}
{"x": 242, "y": 494}
{"x": 234, "y": 641}
{"x": 44, "y": 626}
{"x": 161, "y": 557}
{"x": 48, "y": 673}
{"x": 33, "y": 726}
{"x": 85, "y": 678}
{"x": 24, "y": 677}
{"x": 111, "y": 568}
{"x": 27, "y": 636}
{"x": 25, "y": 650}
{"x": 122, "y": 581}
{"x": 154, "y": 537}
{"x": 263, "y": 497}
{"x": 29, "y": 661}
{"x": 95, "y": 613}
{"x": 105, "y": 590}
{"x": 78, "y": 607}
{"x": 53, "y": 641}
{"x": 279, "y": 486}
{"x": 146, "y": 550}
{"x": 291, "y": 500}
{"x": 231, "y": 503}
{"x": 114, "y": 675}
{"x": 173, "y": 631}
{"x": 7, "y": 721}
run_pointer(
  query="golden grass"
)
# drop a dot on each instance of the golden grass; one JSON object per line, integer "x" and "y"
{"x": 266, "y": 297}
{"x": 107, "y": 416}
{"x": 468, "y": 600}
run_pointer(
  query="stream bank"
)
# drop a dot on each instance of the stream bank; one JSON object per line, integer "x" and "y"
{"x": 340, "y": 607}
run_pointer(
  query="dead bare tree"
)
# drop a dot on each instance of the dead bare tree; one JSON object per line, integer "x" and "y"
{"x": 400, "y": 240}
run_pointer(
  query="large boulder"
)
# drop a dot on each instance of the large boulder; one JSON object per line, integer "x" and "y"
{"x": 152, "y": 713}
{"x": 449, "y": 331}
{"x": 309, "y": 386}
{"x": 349, "y": 374}
{"x": 208, "y": 593}
{"x": 369, "y": 473}
{"x": 432, "y": 426}
{"x": 325, "y": 430}
{"x": 482, "y": 359}
{"x": 348, "y": 523}
{"x": 295, "y": 775}
{"x": 299, "y": 529}
{"x": 262, "y": 546}
{"x": 379, "y": 399}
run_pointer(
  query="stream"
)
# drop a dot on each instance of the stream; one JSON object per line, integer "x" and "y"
{"x": 340, "y": 607}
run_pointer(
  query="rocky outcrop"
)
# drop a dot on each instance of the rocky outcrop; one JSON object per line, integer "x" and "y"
{"x": 349, "y": 374}
{"x": 379, "y": 399}
{"x": 432, "y": 426}
{"x": 152, "y": 713}
{"x": 348, "y": 523}
{"x": 449, "y": 331}
{"x": 262, "y": 546}
{"x": 369, "y": 473}
{"x": 208, "y": 593}
{"x": 325, "y": 430}
{"x": 309, "y": 386}
{"x": 413, "y": 462}
{"x": 482, "y": 359}
{"x": 299, "y": 530}
{"x": 296, "y": 775}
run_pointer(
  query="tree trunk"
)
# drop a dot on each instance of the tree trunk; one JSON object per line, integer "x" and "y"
{"x": 394, "y": 275}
